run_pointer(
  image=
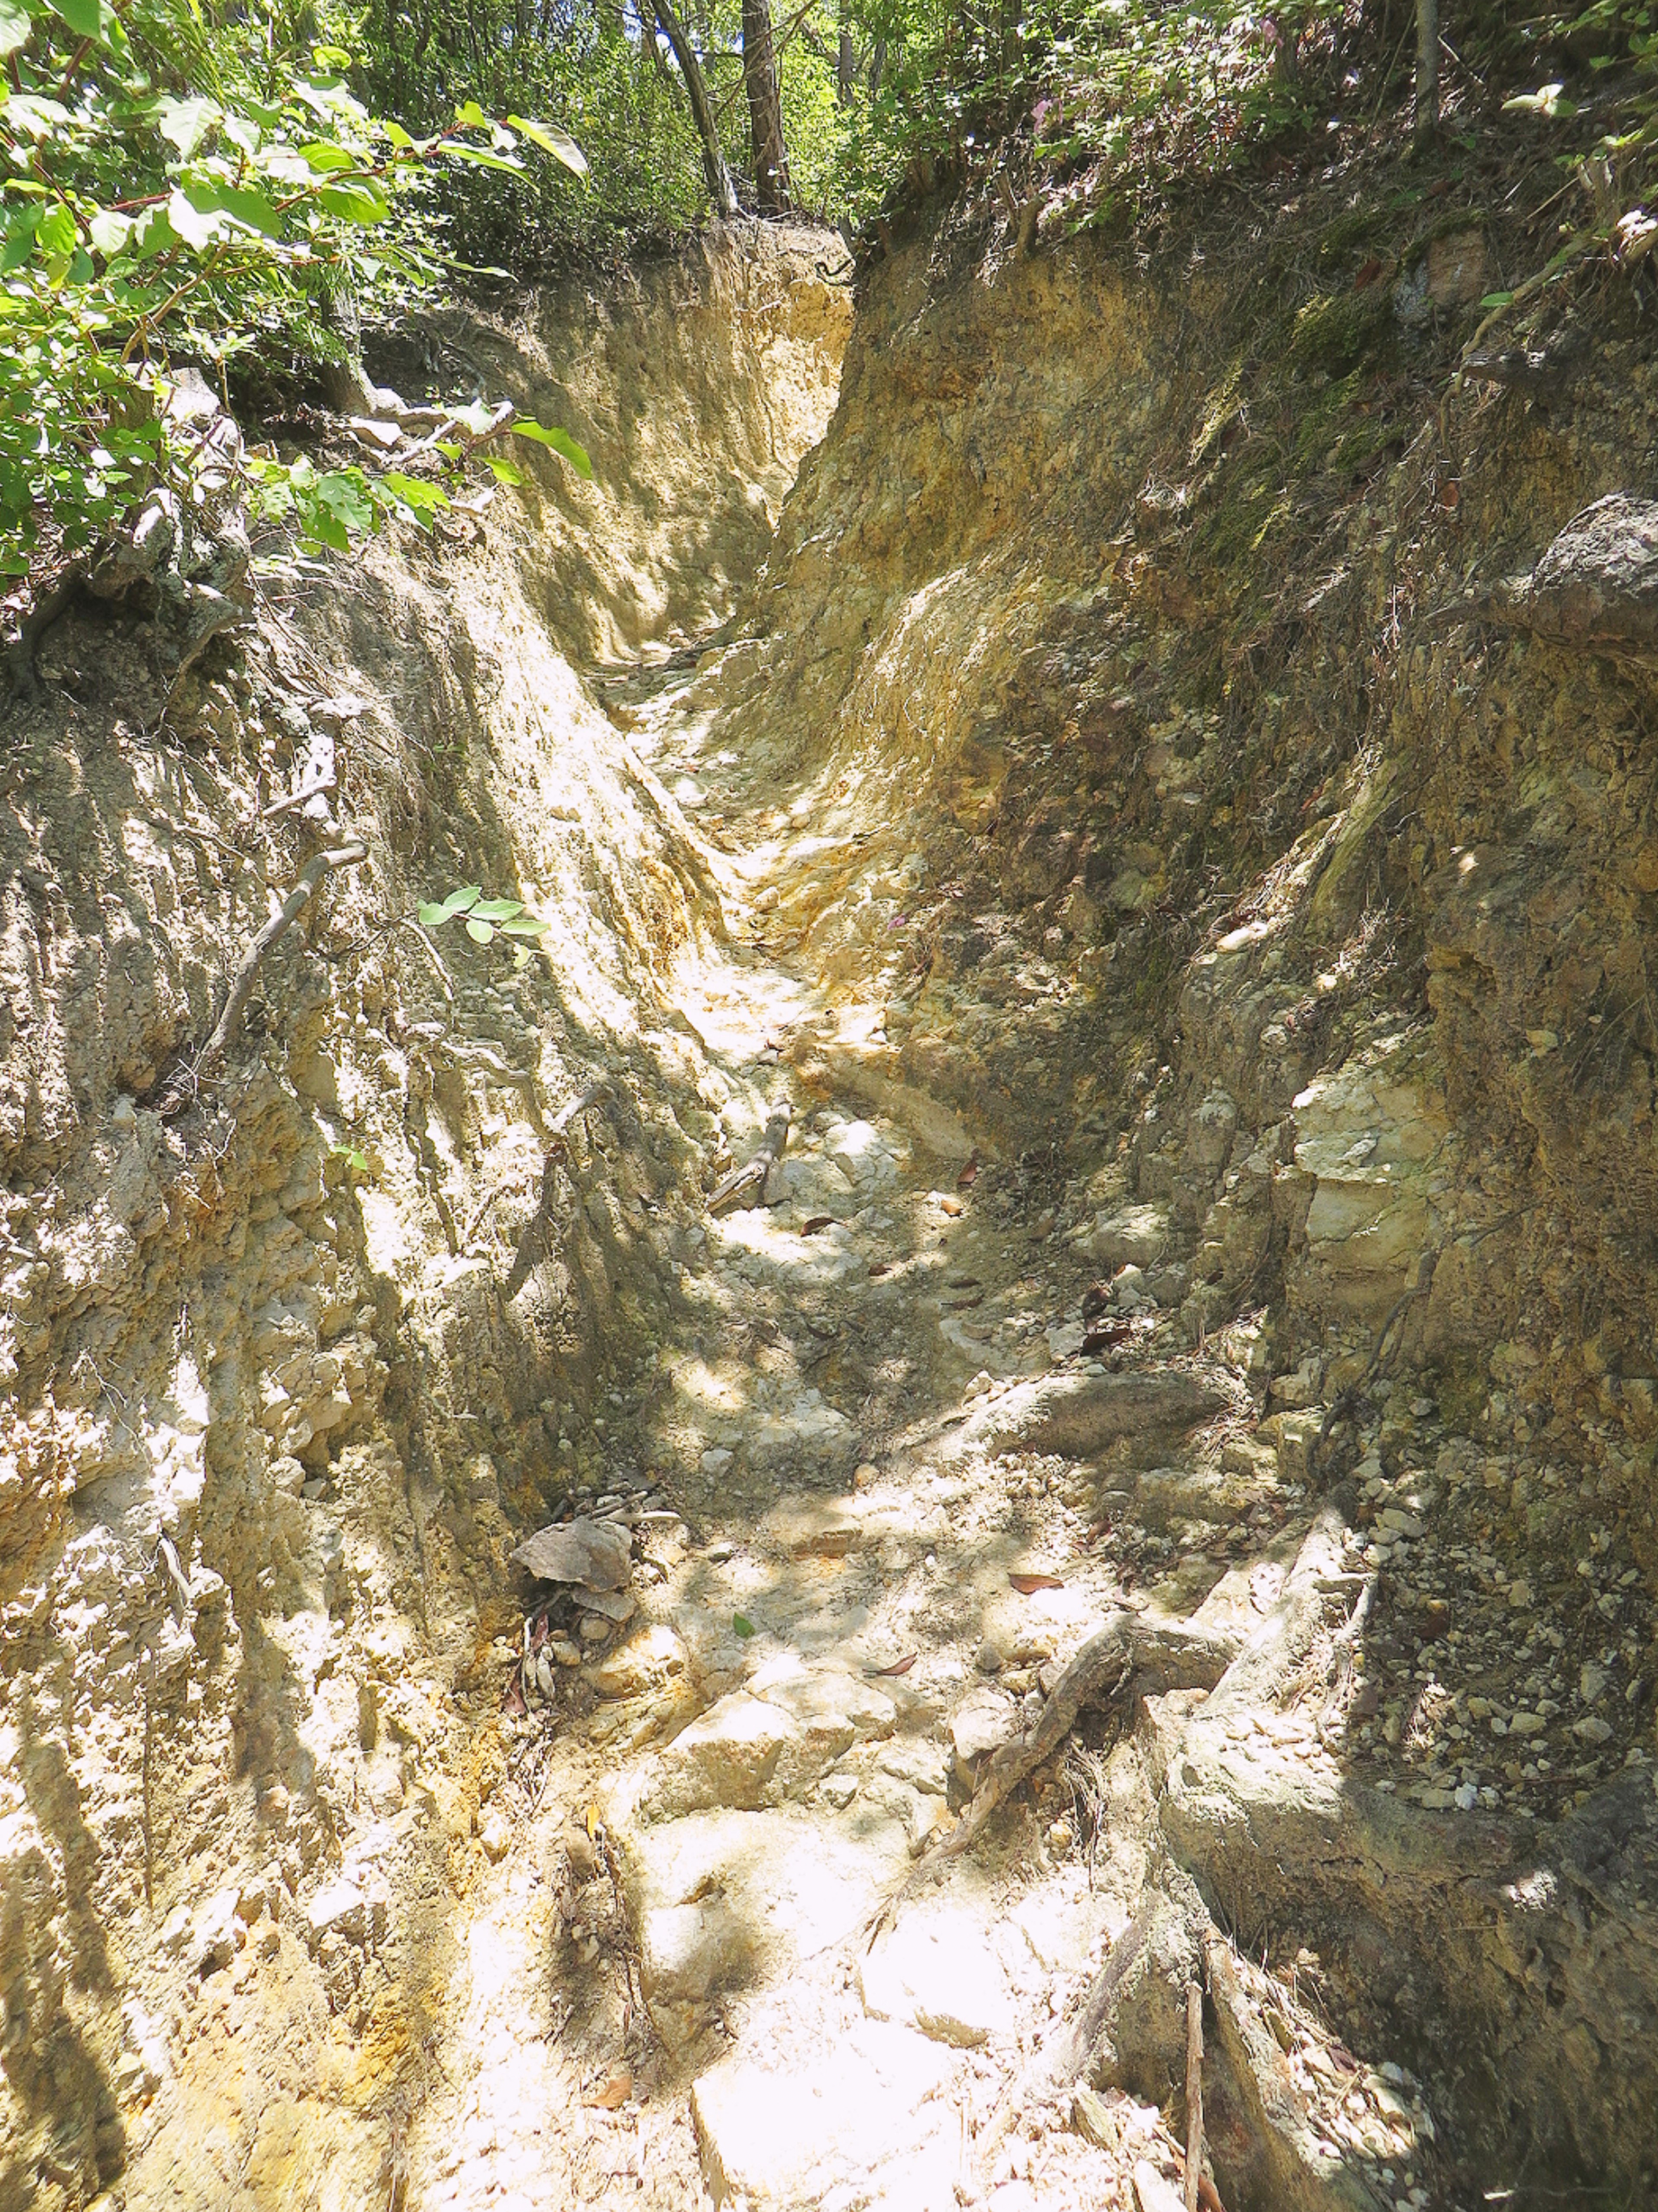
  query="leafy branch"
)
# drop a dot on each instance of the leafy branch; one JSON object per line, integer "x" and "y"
{"x": 484, "y": 919}
{"x": 142, "y": 223}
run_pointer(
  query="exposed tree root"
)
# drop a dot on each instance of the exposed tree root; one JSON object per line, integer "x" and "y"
{"x": 1153, "y": 1655}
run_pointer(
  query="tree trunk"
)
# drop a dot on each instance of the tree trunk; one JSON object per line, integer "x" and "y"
{"x": 1427, "y": 72}
{"x": 721, "y": 191}
{"x": 771, "y": 160}
{"x": 846, "y": 70}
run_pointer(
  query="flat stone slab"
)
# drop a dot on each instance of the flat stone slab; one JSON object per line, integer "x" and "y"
{"x": 782, "y": 2138}
{"x": 1081, "y": 1414}
{"x": 727, "y": 1899}
{"x": 937, "y": 1972}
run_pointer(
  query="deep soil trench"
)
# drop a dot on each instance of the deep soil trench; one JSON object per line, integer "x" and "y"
{"x": 1135, "y": 1500}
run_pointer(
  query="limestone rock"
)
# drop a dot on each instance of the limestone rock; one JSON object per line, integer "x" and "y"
{"x": 338, "y": 1907}
{"x": 1133, "y": 1235}
{"x": 617, "y": 1607}
{"x": 986, "y": 1719}
{"x": 937, "y": 1973}
{"x": 783, "y": 2138}
{"x": 726, "y": 1758}
{"x": 688, "y": 1951}
{"x": 648, "y": 1660}
{"x": 215, "y": 1941}
{"x": 1081, "y": 1413}
{"x": 1370, "y": 1136}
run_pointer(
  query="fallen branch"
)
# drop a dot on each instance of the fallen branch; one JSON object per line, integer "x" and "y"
{"x": 1124, "y": 1649}
{"x": 312, "y": 877}
{"x": 756, "y": 1172}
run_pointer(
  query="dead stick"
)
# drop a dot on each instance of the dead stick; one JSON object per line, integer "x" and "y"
{"x": 1193, "y": 2094}
{"x": 225, "y": 1030}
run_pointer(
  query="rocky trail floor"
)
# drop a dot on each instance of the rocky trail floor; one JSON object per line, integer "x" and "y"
{"x": 702, "y": 1960}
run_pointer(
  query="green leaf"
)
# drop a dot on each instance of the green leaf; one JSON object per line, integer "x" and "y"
{"x": 185, "y": 122}
{"x": 457, "y": 902}
{"x": 197, "y": 227}
{"x": 551, "y": 140}
{"x": 344, "y": 492}
{"x": 15, "y": 24}
{"x": 417, "y": 498}
{"x": 560, "y": 440}
{"x": 355, "y": 199}
{"x": 481, "y": 159}
{"x": 109, "y": 232}
{"x": 322, "y": 156}
{"x": 87, "y": 19}
{"x": 471, "y": 117}
{"x": 20, "y": 239}
{"x": 498, "y": 909}
{"x": 56, "y": 234}
{"x": 250, "y": 207}
{"x": 506, "y": 472}
{"x": 1548, "y": 99}
{"x": 429, "y": 913}
{"x": 1498, "y": 300}
{"x": 742, "y": 1625}
{"x": 153, "y": 234}
{"x": 526, "y": 925}
{"x": 328, "y": 530}
{"x": 481, "y": 932}
{"x": 33, "y": 117}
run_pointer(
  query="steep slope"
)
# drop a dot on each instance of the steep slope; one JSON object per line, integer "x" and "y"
{"x": 274, "y": 1381}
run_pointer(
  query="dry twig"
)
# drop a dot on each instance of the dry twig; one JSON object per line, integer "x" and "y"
{"x": 1193, "y": 2094}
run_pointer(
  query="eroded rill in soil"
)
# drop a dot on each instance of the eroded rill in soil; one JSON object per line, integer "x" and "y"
{"x": 1156, "y": 1495}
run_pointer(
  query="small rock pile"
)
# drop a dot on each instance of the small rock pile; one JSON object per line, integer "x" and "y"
{"x": 589, "y": 1563}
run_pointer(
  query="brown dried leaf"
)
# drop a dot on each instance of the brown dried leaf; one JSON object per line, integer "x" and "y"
{"x": 817, "y": 1221}
{"x": 1104, "y": 1340}
{"x": 615, "y": 2093}
{"x": 901, "y": 1667}
{"x": 1026, "y": 1586}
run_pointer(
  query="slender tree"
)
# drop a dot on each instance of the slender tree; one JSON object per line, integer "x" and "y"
{"x": 771, "y": 160}
{"x": 1427, "y": 72}
{"x": 721, "y": 191}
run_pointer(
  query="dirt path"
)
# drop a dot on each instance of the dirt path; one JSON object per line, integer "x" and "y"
{"x": 903, "y": 1497}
